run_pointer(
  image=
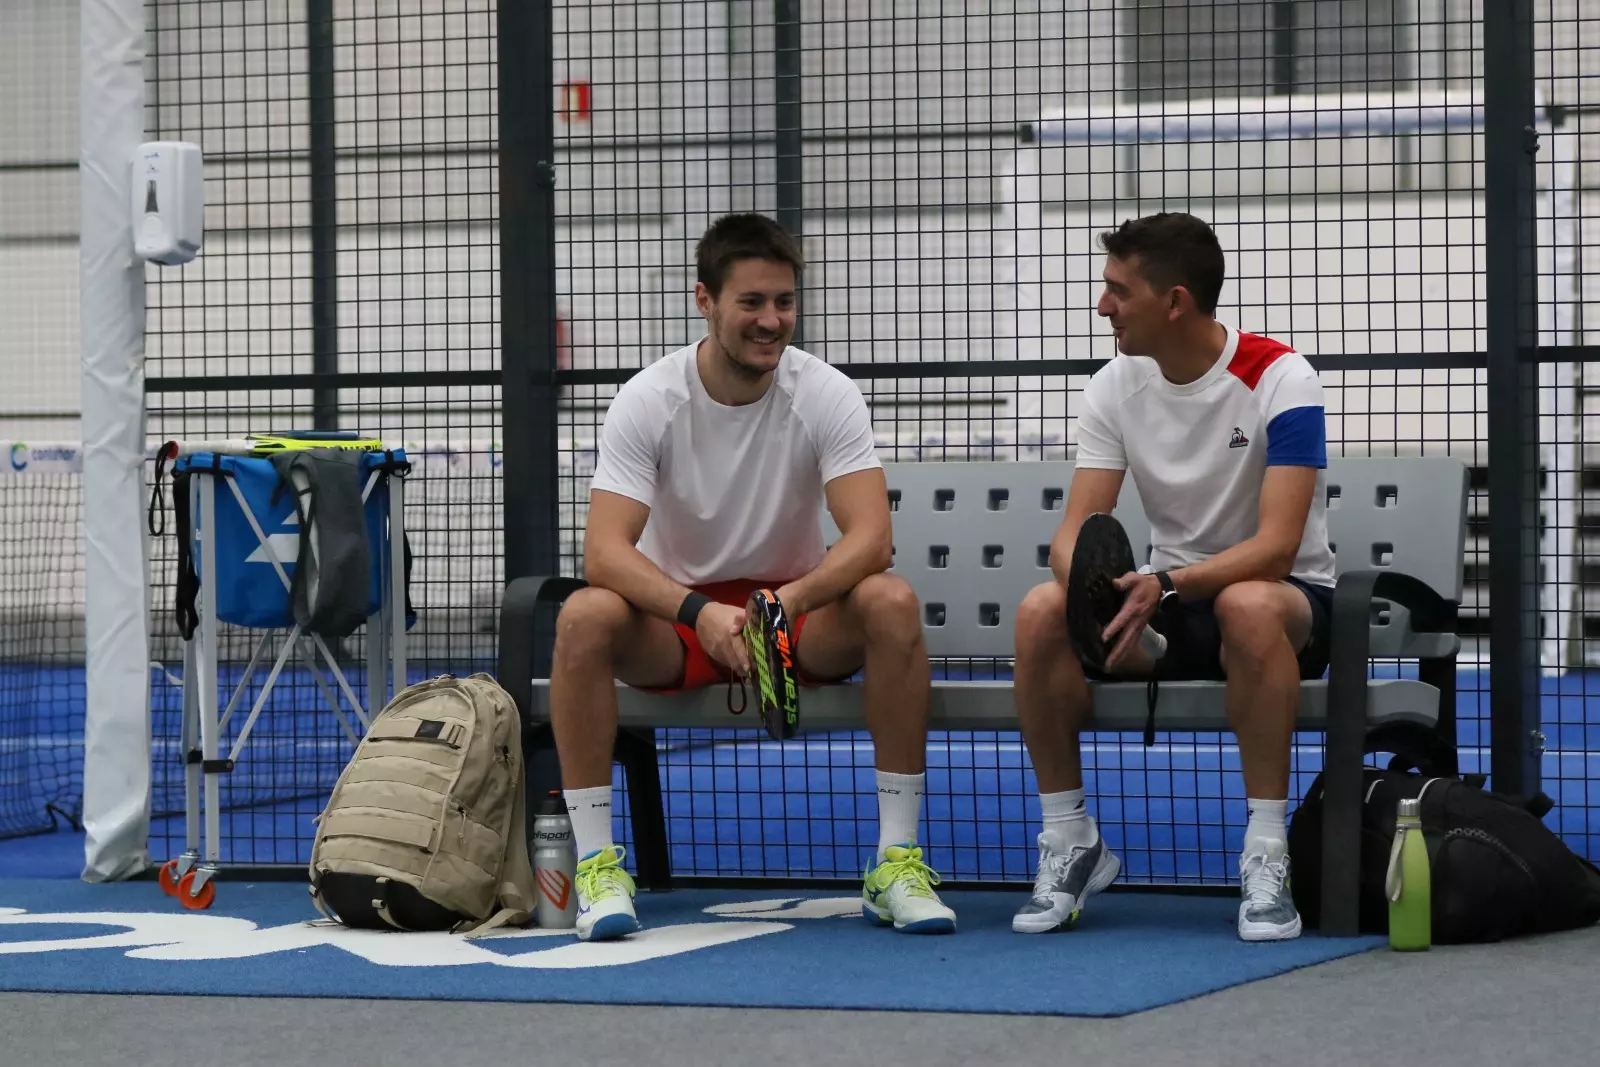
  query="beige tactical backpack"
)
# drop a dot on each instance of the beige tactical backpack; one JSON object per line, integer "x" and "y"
{"x": 426, "y": 827}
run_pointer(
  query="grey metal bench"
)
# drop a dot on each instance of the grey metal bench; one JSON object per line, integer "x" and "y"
{"x": 972, "y": 539}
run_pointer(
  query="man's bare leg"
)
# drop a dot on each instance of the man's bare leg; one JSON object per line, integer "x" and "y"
{"x": 878, "y": 624}
{"x": 601, "y": 637}
{"x": 1052, "y": 695}
{"x": 1053, "y": 707}
{"x": 1264, "y": 624}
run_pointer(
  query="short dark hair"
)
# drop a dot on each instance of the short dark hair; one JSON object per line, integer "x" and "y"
{"x": 742, "y": 236}
{"x": 1172, "y": 248}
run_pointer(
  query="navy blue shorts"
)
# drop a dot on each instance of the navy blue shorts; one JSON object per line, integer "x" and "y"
{"x": 1194, "y": 638}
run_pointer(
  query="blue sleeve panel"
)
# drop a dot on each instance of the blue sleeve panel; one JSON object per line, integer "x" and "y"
{"x": 1298, "y": 438}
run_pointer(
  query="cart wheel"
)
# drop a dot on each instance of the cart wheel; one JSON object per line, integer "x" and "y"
{"x": 168, "y": 878}
{"x": 192, "y": 900}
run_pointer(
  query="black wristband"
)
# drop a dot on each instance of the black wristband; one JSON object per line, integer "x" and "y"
{"x": 689, "y": 610}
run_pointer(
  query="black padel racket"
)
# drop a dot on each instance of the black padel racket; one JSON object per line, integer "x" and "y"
{"x": 1101, "y": 555}
{"x": 770, "y": 645}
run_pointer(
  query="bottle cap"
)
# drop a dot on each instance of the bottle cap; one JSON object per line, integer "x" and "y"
{"x": 553, "y": 804}
{"x": 1410, "y": 809}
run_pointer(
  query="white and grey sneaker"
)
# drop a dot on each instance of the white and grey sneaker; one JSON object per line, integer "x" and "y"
{"x": 1267, "y": 912}
{"x": 1065, "y": 880}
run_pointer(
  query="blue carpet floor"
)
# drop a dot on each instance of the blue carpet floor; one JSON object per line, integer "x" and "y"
{"x": 1131, "y": 952}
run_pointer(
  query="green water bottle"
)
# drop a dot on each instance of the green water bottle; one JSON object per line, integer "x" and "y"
{"x": 1407, "y": 884}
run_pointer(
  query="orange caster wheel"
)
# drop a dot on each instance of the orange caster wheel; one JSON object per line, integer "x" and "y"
{"x": 192, "y": 900}
{"x": 168, "y": 878}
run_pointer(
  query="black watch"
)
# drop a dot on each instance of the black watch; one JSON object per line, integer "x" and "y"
{"x": 1169, "y": 593}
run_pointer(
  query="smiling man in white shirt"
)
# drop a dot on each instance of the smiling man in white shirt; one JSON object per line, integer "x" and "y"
{"x": 1224, "y": 435}
{"x": 714, "y": 465}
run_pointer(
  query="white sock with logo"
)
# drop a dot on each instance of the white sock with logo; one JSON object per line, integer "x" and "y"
{"x": 899, "y": 807}
{"x": 1066, "y": 820}
{"x": 590, "y": 812}
{"x": 1267, "y": 820}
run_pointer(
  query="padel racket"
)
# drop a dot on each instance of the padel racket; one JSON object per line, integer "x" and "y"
{"x": 1101, "y": 555}
{"x": 770, "y": 645}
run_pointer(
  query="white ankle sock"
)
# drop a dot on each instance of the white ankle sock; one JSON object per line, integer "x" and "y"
{"x": 899, "y": 807}
{"x": 590, "y": 812}
{"x": 1066, "y": 819}
{"x": 1266, "y": 824}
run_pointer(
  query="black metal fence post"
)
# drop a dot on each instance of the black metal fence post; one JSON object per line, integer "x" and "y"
{"x": 1510, "y": 144}
{"x": 320, "y": 115}
{"x": 790, "y": 148}
{"x": 530, "y": 472}
{"x": 530, "y": 475}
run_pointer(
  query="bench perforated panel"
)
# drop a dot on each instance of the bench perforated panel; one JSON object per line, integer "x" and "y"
{"x": 973, "y": 538}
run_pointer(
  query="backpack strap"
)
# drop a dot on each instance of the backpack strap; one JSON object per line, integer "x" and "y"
{"x": 187, "y": 586}
{"x": 380, "y": 905}
{"x": 316, "y": 899}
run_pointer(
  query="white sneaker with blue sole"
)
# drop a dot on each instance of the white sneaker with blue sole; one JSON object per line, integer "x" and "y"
{"x": 899, "y": 892}
{"x": 605, "y": 896}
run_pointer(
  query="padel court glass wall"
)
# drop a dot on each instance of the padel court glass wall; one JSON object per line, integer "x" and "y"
{"x": 461, "y": 227}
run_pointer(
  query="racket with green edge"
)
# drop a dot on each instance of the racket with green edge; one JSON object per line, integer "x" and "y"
{"x": 770, "y": 645}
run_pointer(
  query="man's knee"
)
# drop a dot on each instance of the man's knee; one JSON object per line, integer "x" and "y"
{"x": 1042, "y": 617}
{"x": 588, "y": 625}
{"x": 887, "y": 608}
{"x": 1254, "y": 618}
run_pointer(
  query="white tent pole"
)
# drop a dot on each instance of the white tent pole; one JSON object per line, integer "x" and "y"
{"x": 116, "y": 764}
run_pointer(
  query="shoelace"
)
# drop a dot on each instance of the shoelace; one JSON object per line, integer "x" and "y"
{"x": 923, "y": 878}
{"x": 1052, "y": 867}
{"x": 1263, "y": 881}
{"x": 605, "y": 878}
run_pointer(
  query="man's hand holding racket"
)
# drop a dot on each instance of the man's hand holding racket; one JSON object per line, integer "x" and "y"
{"x": 720, "y": 628}
{"x": 1143, "y": 593}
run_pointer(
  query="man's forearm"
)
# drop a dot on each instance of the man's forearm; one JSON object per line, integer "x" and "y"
{"x": 1253, "y": 559}
{"x": 851, "y": 559}
{"x": 626, "y": 571}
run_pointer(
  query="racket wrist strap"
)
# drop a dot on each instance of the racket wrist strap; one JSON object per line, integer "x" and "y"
{"x": 689, "y": 610}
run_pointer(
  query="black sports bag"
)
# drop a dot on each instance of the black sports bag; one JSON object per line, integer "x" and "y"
{"x": 1496, "y": 870}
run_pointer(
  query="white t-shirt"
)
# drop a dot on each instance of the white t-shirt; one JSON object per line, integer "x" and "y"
{"x": 733, "y": 492}
{"x": 1198, "y": 452}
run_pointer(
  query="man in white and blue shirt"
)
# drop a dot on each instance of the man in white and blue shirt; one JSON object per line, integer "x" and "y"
{"x": 1224, "y": 435}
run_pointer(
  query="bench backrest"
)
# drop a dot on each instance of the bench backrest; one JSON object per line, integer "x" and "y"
{"x": 973, "y": 538}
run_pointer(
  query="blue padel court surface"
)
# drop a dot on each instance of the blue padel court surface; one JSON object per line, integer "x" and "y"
{"x": 1131, "y": 952}
{"x": 738, "y": 804}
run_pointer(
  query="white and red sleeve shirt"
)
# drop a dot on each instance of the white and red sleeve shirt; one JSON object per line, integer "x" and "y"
{"x": 1199, "y": 452}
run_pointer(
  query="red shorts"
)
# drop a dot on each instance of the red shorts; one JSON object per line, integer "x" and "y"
{"x": 699, "y": 669}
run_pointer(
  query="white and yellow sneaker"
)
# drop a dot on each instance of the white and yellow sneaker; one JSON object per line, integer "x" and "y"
{"x": 605, "y": 896}
{"x": 899, "y": 891}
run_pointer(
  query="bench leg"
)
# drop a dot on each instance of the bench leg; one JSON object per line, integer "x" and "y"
{"x": 636, "y": 751}
{"x": 1441, "y": 674}
{"x": 1341, "y": 842}
{"x": 541, "y": 768}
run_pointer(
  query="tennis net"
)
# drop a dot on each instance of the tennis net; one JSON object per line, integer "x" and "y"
{"x": 41, "y": 635}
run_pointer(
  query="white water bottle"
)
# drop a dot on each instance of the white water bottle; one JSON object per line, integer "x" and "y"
{"x": 555, "y": 865}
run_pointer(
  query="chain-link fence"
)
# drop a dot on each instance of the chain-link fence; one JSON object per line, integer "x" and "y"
{"x": 948, "y": 170}
{"x": 461, "y": 227}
